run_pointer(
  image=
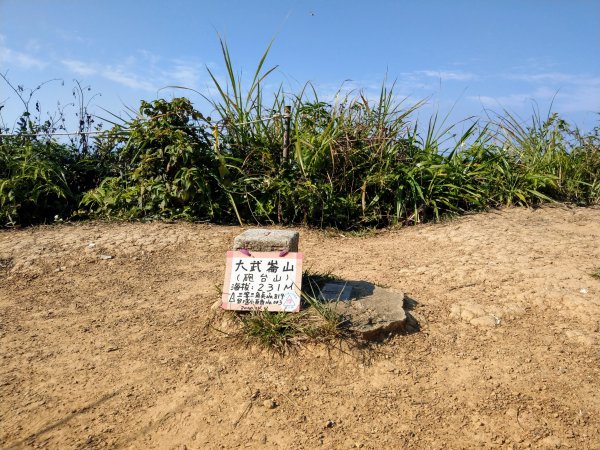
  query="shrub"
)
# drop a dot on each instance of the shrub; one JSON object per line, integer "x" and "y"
{"x": 166, "y": 167}
{"x": 33, "y": 184}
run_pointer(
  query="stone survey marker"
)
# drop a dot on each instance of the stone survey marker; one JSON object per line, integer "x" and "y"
{"x": 264, "y": 271}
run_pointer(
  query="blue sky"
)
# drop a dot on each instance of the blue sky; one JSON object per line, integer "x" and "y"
{"x": 474, "y": 55}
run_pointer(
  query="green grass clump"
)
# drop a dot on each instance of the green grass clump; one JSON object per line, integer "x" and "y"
{"x": 281, "y": 331}
{"x": 316, "y": 322}
{"x": 596, "y": 273}
{"x": 42, "y": 179}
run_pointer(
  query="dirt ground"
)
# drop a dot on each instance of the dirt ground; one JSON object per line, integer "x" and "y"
{"x": 125, "y": 352}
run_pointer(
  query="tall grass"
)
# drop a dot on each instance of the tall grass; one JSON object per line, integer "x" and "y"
{"x": 355, "y": 162}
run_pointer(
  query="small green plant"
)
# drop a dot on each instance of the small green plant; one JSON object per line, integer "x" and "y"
{"x": 332, "y": 323}
{"x": 275, "y": 330}
{"x": 283, "y": 331}
{"x": 596, "y": 273}
{"x": 316, "y": 322}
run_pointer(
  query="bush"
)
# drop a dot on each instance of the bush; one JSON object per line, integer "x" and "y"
{"x": 40, "y": 177}
{"x": 33, "y": 184}
{"x": 166, "y": 167}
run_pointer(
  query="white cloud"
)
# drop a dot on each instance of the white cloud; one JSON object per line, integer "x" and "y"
{"x": 144, "y": 73}
{"x": 556, "y": 78}
{"x": 116, "y": 74}
{"x": 566, "y": 92}
{"x": 152, "y": 58}
{"x": 517, "y": 100}
{"x": 79, "y": 67}
{"x": 580, "y": 99}
{"x": 18, "y": 59}
{"x": 510, "y": 101}
{"x": 70, "y": 36}
{"x": 130, "y": 80}
{"x": 33, "y": 45}
{"x": 184, "y": 73}
{"x": 448, "y": 75}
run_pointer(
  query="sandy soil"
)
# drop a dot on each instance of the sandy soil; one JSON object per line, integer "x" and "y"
{"x": 122, "y": 352}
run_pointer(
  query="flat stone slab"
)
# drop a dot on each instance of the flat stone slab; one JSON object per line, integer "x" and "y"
{"x": 335, "y": 291}
{"x": 261, "y": 240}
{"x": 374, "y": 312}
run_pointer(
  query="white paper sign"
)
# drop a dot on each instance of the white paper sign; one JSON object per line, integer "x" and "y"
{"x": 262, "y": 280}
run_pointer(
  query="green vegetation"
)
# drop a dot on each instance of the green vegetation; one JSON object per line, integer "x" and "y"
{"x": 316, "y": 322}
{"x": 164, "y": 167}
{"x": 354, "y": 163}
{"x": 596, "y": 273}
{"x": 282, "y": 331}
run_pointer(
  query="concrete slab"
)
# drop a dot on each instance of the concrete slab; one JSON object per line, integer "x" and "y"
{"x": 335, "y": 291}
{"x": 374, "y": 312}
{"x": 261, "y": 240}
